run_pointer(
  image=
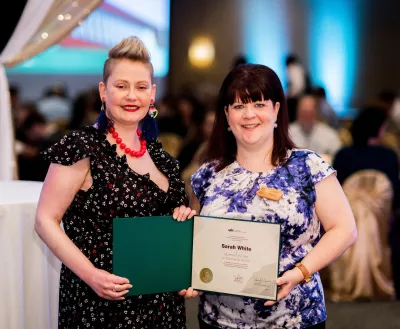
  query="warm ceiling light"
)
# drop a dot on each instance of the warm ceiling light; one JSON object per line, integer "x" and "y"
{"x": 201, "y": 52}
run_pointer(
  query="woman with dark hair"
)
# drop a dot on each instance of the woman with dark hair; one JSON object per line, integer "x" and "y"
{"x": 85, "y": 108}
{"x": 249, "y": 149}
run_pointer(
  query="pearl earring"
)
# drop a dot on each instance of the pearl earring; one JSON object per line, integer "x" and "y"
{"x": 229, "y": 129}
{"x": 275, "y": 125}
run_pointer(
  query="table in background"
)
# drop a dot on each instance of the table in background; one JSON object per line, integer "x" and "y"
{"x": 29, "y": 274}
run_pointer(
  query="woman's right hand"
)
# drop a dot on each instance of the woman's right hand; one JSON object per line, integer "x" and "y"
{"x": 108, "y": 286}
{"x": 182, "y": 213}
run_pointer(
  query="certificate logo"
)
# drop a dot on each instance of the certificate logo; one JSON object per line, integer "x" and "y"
{"x": 206, "y": 275}
{"x": 238, "y": 278}
{"x": 230, "y": 230}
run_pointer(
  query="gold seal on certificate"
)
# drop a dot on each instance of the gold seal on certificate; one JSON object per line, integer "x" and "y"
{"x": 206, "y": 275}
{"x": 243, "y": 256}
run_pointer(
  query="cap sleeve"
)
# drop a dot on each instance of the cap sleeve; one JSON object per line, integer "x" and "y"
{"x": 319, "y": 168}
{"x": 73, "y": 147}
{"x": 202, "y": 178}
{"x": 163, "y": 159}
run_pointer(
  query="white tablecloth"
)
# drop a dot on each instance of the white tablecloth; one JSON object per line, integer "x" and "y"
{"x": 29, "y": 272}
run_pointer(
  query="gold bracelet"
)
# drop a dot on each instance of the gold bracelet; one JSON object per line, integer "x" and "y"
{"x": 306, "y": 274}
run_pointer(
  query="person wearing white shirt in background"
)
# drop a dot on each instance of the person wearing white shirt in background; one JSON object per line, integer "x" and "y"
{"x": 298, "y": 83}
{"x": 325, "y": 111}
{"x": 296, "y": 79}
{"x": 307, "y": 132}
{"x": 55, "y": 105}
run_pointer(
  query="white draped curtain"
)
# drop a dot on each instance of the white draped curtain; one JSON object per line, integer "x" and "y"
{"x": 43, "y": 23}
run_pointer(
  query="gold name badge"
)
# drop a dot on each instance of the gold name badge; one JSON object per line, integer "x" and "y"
{"x": 270, "y": 193}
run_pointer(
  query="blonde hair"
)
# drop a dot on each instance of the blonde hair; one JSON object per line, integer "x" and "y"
{"x": 130, "y": 48}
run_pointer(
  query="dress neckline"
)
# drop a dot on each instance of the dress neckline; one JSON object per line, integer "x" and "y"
{"x": 112, "y": 148}
{"x": 268, "y": 172}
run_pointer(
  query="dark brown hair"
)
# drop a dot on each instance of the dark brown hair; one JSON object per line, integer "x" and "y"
{"x": 248, "y": 83}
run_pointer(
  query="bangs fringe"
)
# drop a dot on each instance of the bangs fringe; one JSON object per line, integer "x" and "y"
{"x": 248, "y": 89}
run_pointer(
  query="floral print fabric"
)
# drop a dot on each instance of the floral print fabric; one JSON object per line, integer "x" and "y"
{"x": 231, "y": 193}
{"x": 117, "y": 191}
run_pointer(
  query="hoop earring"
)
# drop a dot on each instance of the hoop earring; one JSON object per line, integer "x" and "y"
{"x": 153, "y": 112}
{"x": 103, "y": 106}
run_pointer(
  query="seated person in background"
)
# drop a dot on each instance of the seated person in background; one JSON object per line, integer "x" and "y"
{"x": 191, "y": 113}
{"x": 366, "y": 153}
{"x": 388, "y": 99}
{"x": 395, "y": 113}
{"x": 191, "y": 147}
{"x": 325, "y": 111}
{"x": 195, "y": 163}
{"x": 55, "y": 105}
{"x": 298, "y": 83}
{"x": 307, "y": 132}
{"x": 85, "y": 108}
{"x": 168, "y": 118}
{"x": 34, "y": 135}
{"x": 15, "y": 100}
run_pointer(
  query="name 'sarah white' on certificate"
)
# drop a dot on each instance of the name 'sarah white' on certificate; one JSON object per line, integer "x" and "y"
{"x": 236, "y": 257}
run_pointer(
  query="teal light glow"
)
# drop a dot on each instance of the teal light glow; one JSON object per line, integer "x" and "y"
{"x": 102, "y": 29}
{"x": 333, "y": 49}
{"x": 265, "y": 34}
{"x": 64, "y": 60}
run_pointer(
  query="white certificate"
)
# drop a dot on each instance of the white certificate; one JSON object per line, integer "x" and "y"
{"x": 236, "y": 257}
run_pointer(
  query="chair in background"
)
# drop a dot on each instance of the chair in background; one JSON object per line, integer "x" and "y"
{"x": 193, "y": 166}
{"x": 345, "y": 136}
{"x": 327, "y": 158}
{"x": 363, "y": 272}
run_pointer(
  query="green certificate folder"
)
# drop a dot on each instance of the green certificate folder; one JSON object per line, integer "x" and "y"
{"x": 154, "y": 253}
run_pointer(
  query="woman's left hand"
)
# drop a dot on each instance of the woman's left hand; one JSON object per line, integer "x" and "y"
{"x": 189, "y": 293}
{"x": 286, "y": 283}
{"x": 182, "y": 213}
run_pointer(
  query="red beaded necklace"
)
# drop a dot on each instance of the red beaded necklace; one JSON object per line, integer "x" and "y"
{"x": 132, "y": 153}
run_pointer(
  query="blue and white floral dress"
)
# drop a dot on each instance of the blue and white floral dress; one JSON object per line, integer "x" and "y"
{"x": 231, "y": 193}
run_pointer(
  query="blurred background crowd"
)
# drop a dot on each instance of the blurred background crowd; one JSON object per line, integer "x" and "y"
{"x": 338, "y": 62}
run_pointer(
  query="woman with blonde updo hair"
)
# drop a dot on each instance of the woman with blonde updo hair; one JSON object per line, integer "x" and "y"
{"x": 112, "y": 168}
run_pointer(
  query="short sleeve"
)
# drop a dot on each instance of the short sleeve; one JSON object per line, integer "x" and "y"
{"x": 319, "y": 168}
{"x": 163, "y": 158}
{"x": 202, "y": 178}
{"x": 73, "y": 147}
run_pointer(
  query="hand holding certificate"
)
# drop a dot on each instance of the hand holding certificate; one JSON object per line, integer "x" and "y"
{"x": 235, "y": 257}
{"x": 159, "y": 254}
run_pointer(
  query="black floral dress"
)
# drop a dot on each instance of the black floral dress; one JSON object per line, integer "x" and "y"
{"x": 117, "y": 191}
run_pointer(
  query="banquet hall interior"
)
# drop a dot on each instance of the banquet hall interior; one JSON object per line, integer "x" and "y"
{"x": 339, "y": 64}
